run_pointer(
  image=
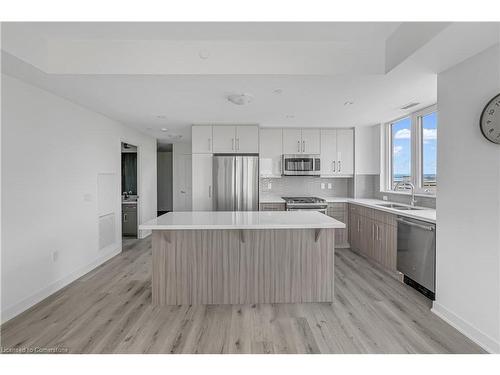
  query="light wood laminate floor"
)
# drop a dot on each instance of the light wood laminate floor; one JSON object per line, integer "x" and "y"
{"x": 109, "y": 311}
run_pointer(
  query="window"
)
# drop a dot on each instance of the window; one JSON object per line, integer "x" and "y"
{"x": 401, "y": 151}
{"x": 429, "y": 150}
{"x": 411, "y": 150}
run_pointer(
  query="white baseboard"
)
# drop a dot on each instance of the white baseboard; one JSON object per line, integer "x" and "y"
{"x": 16, "y": 309}
{"x": 144, "y": 233}
{"x": 483, "y": 340}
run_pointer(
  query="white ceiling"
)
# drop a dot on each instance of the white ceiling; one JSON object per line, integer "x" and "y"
{"x": 307, "y": 100}
{"x": 232, "y": 31}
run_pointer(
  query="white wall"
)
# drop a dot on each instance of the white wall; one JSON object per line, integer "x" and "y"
{"x": 52, "y": 153}
{"x": 468, "y": 207}
{"x": 164, "y": 181}
{"x": 367, "y": 149}
{"x": 182, "y": 166}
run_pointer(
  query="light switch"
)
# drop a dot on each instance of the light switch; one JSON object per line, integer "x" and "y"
{"x": 322, "y": 186}
{"x": 269, "y": 185}
{"x": 384, "y": 197}
{"x": 330, "y": 185}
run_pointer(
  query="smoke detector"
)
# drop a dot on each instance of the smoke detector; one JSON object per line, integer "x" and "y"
{"x": 240, "y": 99}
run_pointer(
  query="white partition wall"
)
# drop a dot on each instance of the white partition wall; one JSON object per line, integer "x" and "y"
{"x": 468, "y": 203}
{"x": 60, "y": 176}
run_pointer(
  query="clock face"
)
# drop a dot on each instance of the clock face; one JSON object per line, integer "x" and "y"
{"x": 490, "y": 120}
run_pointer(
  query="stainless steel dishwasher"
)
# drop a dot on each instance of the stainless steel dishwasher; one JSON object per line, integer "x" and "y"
{"x": 416, "y": 255}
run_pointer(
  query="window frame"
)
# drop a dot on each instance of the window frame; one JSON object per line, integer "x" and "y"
{"x": 416, "y": 162}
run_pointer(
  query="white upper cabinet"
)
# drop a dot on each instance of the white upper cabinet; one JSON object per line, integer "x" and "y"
{"x": 310, "y": 141}
{"x": 235, "y": 139}
{"x": 201, "y": 139}
{"x": 247, "y": 139}
{"x": 337, "y": 152}
{"x": 202, "y": 182}
{"x": 271, "y": 150}
{"x": 292, "y": 141}
{"x": 301, "y": 141}
{"x": 345, "y": 152}
{"x": 328, "y": 152}
{"x": 224, "y": 138}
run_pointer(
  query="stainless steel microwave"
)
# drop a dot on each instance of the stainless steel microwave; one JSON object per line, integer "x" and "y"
{"x": 301, "y": 165}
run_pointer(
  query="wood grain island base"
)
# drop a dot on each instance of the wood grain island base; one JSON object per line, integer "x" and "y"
{"x": 195, "y": 264}
{"x": 193, "y": 267}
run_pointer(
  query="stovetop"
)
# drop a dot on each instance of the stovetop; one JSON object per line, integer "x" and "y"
{"x": 303, "y": 200}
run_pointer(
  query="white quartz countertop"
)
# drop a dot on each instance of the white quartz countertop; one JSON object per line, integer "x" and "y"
{"x": 270, "y": 198}
{"x": 242, "y": 220}
{"x": 423, "y": 213}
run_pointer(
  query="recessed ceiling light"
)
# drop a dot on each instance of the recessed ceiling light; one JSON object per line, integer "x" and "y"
{"x": 204, "y": 54}
{"x": 164, "y": 129}
{"x": 348, "y": 103}
{"x": 161, "y": 116}
{"x": 240, "y": 99}
{"x": 278, "y": 91}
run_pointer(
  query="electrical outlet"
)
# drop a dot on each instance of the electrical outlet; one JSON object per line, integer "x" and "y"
{"x": 384, "y": 197}
{"x": 269, "y": 186}
{"x": 322, "y": 186}
{"x": 330, "y": 186}
{"x": 55, "y": 255}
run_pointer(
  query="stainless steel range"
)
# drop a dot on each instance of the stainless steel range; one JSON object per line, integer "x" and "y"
{"x": 305, "y": 204}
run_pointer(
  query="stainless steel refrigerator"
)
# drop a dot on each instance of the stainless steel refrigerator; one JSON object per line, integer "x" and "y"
{"x": 236, "y": 182}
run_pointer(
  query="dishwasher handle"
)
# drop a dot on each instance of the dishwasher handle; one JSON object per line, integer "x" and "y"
{"x": 429, "y": 228}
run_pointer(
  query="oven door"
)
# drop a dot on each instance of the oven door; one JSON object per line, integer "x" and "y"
{"x": 301, "y": 165}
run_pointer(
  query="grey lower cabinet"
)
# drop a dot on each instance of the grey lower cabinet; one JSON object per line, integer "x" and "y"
{"x": 340, "y": 212}
{"x": 272, "y": 206}
{"x": 129, "y": 220}
{"x": 373, "y": 233}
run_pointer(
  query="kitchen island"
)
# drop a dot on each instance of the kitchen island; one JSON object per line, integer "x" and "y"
{"x": 242, "y": 257}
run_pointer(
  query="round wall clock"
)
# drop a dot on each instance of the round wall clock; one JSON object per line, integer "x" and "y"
{"x": 490, "y": 120}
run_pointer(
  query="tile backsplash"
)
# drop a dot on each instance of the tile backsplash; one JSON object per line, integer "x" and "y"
{"x": 306, "y": 186}
{"x": 368, "y": 186}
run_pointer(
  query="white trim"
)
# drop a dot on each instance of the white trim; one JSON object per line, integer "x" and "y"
{"x": 482, "y": 339}
{"x": 416, "y": 152}
{"x": 28, "y": 302}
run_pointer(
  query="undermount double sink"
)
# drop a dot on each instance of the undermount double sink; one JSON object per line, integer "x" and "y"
{"x": 398, "y": 206}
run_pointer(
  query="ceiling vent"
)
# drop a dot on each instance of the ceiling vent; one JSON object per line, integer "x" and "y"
{"x": 240, "y": 99}
{"x": 409, "y": 105}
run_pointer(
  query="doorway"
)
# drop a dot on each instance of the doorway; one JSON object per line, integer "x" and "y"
{"x": 129, "y": 190}
{"x": 164, "y": 178}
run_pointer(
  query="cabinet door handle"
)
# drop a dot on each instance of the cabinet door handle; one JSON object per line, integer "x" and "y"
{"x": 303, "y": 146}
{"x": 358, "y": 225}
{"x": 373, "y": 231}
{"x": 340, "y": 166}
{"x": 124, "y": 218}
{"x": 237, "y": 144}
{"x": 232, "y": 144}
{"x": 333, "y": 165}
{"x": 298, "y": 146}
{"x": 210, "y": 191}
